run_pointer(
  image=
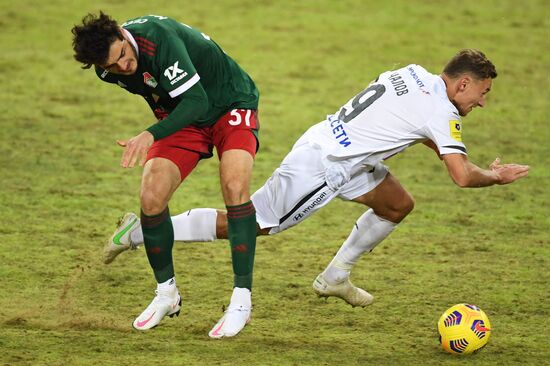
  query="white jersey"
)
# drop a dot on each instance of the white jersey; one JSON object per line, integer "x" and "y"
{"x": 399, "y": 109}
{"x": 341, "y": 156}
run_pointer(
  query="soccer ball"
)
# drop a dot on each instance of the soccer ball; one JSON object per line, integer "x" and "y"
{"x": 463, "y": 329}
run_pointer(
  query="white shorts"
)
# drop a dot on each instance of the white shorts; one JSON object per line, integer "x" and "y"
{"x": 298, "y": 188}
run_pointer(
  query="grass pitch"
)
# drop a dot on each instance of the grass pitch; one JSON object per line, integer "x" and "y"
{"x": 61, "y": 190}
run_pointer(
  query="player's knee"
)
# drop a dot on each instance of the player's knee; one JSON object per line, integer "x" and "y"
{"x": 408, "y": 205}
{"x": 160, "y": 179}
{"x": 403, "y": 208}
{"x": 151, "y": 202}
{"x": 397, "y": 210}
{"x": 235, "y": 191}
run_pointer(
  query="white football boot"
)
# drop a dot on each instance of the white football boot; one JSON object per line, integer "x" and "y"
{"x": 120, "y": 240}
{"x": 236, "y": 316}
{"x": 345, "y": 290}
{"x": 165, "y": 303}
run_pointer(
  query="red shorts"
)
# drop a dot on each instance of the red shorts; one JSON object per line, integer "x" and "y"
{"x": 234, "y": 130}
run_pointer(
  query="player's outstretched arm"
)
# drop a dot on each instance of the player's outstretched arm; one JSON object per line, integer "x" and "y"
{"x": 466, "y": 174}
{"x": 509, "y": 172}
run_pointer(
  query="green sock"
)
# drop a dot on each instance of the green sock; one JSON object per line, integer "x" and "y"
{"x": 158, "y": 238}
{"x": 241, "y": 227}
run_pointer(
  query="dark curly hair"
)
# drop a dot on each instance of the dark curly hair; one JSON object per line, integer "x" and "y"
{"x": 470, "y": 61}
{"x": 92, "y": 39}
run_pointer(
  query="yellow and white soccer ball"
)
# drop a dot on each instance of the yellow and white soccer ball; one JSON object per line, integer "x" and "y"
{"x": 463, "y": 329}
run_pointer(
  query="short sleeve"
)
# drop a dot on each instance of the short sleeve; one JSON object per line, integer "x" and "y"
{"x": 445, "y": 130}
{"x": 177, "y": 72}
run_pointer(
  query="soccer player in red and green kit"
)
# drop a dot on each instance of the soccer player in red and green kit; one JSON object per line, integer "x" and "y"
{"x": 201, "y": 99}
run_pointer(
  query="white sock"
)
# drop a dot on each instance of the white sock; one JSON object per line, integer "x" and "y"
{"x": 196, "y": 225}
{"x": 168, "y": 286}
{"x": 241, "y": 296}
{"x": 369, "y": 230}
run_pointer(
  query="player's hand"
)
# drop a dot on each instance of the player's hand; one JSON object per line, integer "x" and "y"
{"x": 495, "y": 164}
{"x": 135, "y": 148}
{"x": 509, "y": 173}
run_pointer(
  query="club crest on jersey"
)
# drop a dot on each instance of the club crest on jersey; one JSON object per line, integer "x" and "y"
{"x": 456, "y": 130}
{"x": 149, "y": 80}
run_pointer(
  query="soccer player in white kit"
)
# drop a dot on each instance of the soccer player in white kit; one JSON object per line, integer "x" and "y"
{"x": 343, "y": 157}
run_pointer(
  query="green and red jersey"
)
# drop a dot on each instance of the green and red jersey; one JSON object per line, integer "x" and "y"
{"x": 184, "y": 76}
